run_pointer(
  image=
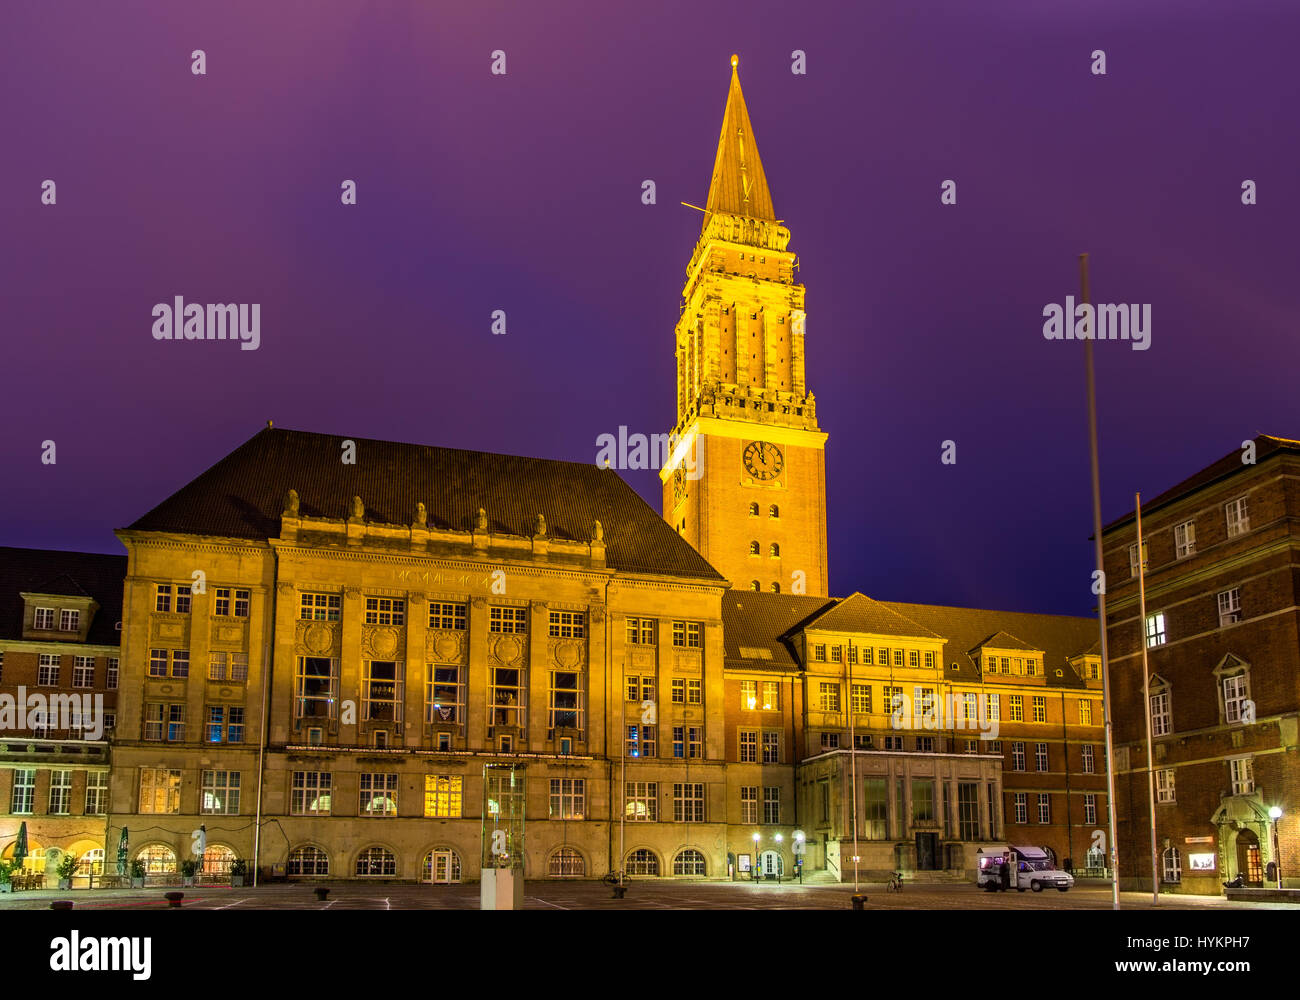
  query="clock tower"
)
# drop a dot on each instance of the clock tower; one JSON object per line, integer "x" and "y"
{"x": 746, "y": 483}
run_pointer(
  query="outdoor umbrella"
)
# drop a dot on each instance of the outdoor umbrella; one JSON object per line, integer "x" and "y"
{"x": 121, "y": 853}
{"x": 20, "y": 846}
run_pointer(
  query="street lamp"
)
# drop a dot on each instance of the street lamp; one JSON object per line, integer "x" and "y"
{"x": 1275, "y": 814}
{"x": 799, "y": 848}
{"x": 779, "y": 862}
{"x": 754, "y": 864}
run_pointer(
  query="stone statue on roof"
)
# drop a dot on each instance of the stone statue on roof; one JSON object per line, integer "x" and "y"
{"x": 597, "y": 532}
{"x": 421, "y": 515}
{"x": 539, "y": 527}
{"x": 291, "y": 504}
{"x": 480, "y": 523}
{"x": 358, "y": 508}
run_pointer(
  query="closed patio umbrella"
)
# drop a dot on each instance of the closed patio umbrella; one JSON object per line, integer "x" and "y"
{"x": 121, "y": 853}
{"x": 20, "y": 845}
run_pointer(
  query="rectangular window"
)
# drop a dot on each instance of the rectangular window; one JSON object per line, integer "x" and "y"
{"x": 1017, "y": 708}
{"x": 678, "y": 691}
{"x": 868, "y": 656}
{"x": 923, "y": 700}
{"x": 216, "y": 666}
{"x": 310, "y": 793}
{"x": 679, "y": 741}
{"x": 876, "y": 802}
{"x": 1230, "y": 607}
{"x": 180, "y": 662}
{"x": 60, "y": 792}
{"x": 238, "y": 667}
{"x": 242, "y": 598}
{"x": 893, "y": 698}
{"x": 43, "y": 620}
{"x": 112, "y": 673}
{"x": 970, "y": 706}
{"x": 566, "y": 709}
{"x": 316, "y": 688}
{"x": 1236, "y": 694}
{"x": 694, "y": 742}
{"x": 1031, "y": 666}
{"x": 925, "y": 744}
{"x": 1089, "y": 759}
{"x": 641, "y": 741}
{"x": 160, "y": 790}
{"x": 1156, "y": 629}
{"x": 1243, "y": 775}
{"x": 1044, "y": 808}
{"x": 1184, "y": 539}
{"x": 47, "y": 671}
{"x": 923, "y": 801}
{"x": 1022, "y": 807}
{"x": 641, "y": 631}
{"x": 443, "y": 695}
{"x": 687, "y": 634}
{"x": 771, "y": 746}
{"x": 69, "y": 620}
{"x": 853, "y": 653}
{"x": 1040, "y": 757}
{"x": 748, "y": 746}
{"x": 860, "y": 697}
{"x": 642, "y": 802}
{"x": 771, "y": 696}
{"x": 1165, "y": 785}
{"x": 913, "y": 657}
{"x": 882, "y": 657}
{"x": 695, "y": 692}
{"x": 567, "y": 624}
{"x": 1133, "y": 559}
{"x": 688, "y": 803}
{"x": 640, "y": 688}
{"x": 836, "y": 654}
{"x": 1161, "y": 720}
{"x": 321, "y": 607}
{"x": 509, "y": 686}
{"x": 378, "y": 794}
{"x": 220, "y": 793}
{"x": 1237, "y": 517}
{"x": 968, "y": 810}
{"x": 748, "y": 695}
{"x": 1017, "y": 756}
{"x": 22, "y": 800}
{"x": 772, "y": 804}
{"x": 568, "y": 798}
{"x": 829, "y": 700}
{"x": 382, "y": 691}
{"x": 749, "y": 804}
{"x": 153, "y": 720}
{"x": 448, "y": 615}
{"x": 385, "y": 611}
{"x": 898, "y": 657}
{"x": 1089, "y": 808}
{"x": 830, "y": 741}
{"x": 96, "y": 793}
{"x": 162, "y": 597}
{"x": 221, "y": 602}
{"x": 929, "y": 659}
{"x": 1085, "y": 712}
{"x": 1040, "y": 708}
{"x": 175, "y": 723}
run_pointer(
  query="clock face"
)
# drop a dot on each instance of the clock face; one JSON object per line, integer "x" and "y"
{"x": 763, "y": 461}
{"x": 679, "y": 486}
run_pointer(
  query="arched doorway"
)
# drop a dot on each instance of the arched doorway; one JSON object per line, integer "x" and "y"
{"x": 441, "y": 867}
{"x": 771, "y": 863}
{"x": 1249, "y": 861}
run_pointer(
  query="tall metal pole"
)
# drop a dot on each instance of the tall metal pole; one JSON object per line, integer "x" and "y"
{"x": 1101, "y": 597}
{"x": 1146, "y": 695}
{"x": 853, "y": 764}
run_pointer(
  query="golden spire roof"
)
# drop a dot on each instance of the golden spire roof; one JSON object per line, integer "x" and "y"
{"x": 739, "y": 186}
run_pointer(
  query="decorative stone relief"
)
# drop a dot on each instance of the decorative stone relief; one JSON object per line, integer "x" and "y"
{"x": 285, "y": 588}
{"x": 506, "y": 650}
{"x": 566, "y": 653}
{"x": 445, "y": 646}
{"x": 381, "y": 642}
{"x": 643, "y": 657}
{"x": 480, "y": 602}
{"x": 320, "y": 638}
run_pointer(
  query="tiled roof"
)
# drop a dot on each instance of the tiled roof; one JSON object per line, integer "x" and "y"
{"x": 754, "y": 621}
{"x": 859, "y": 613}
{"x": 739, "y": 186}
{"x": 1230, "y": 464}
{"x": 73, "y": 574}
{"x": 1058, "y": 636}
{"x": 1003, "y": 640}
{"x": 242, "y": 496}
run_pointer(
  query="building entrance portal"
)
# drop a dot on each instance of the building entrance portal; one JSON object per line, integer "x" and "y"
{"x": 927, "y": 852}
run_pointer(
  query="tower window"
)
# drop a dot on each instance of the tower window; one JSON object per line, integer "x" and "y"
{"x": 774, "y": 550}
{"x": 753, "y": 585}
{"x": 753, "y": 510}
{"x": 753, "y": 548}
{"x": 776, "y": 587}
{"x": 774, "y": 511}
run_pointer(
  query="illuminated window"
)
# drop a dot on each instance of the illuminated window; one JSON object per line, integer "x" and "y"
{"x": 160, "y": 790}
{"x": 444, "y": 693}
{"x": 1085, "y": 712}
{"x": 1237, "y": 517}
{"x": 689, "y": 862}
{"x": 1184, "y": 539}
{"x": 771, "y": 696}
{"x": 376, "y": 862}
{"x": 442, "y": 795}
{"x": 310, "y": 793}
{"x": 158, "y": 860}
{"x": 566, "y": 861}
{"x": 1230, "y": 607}
{"x": 308, "y": 861}
{"x": 642, "y": 804}
{"x": 749, "y": 695}
{"x": 1040, "y": 708}
{"x": 754, "y": 548}
{"x": 771, "y": 746}
{"x": 1017, "y": 708}
{"x": 640, "y": 741}
{"x": 1156, "y": 629}
{"x": 829, "y": 697}
{"x": 568, "y": 798}
{"x": 220, "y": 793}
{"x": 378, "y": 795}
{"x": 1165, "y": 785}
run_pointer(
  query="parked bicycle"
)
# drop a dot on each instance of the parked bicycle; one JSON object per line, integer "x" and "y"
{"x": 895, "y": 883}
{"x": 614, "y": 878}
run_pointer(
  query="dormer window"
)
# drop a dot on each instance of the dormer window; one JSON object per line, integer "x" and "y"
{"x": 44, "y": 620}
{"x": 69, "y": 620}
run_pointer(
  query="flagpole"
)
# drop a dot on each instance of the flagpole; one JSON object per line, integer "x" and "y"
{"x": 1101, "y": 597}
{"x": 1146, "y": 695}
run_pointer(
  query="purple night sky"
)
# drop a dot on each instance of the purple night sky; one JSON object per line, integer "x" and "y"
{"x": 522, "y": 193}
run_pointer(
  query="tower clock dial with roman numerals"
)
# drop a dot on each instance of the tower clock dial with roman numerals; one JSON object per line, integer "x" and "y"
{"x": 763, "y": 461}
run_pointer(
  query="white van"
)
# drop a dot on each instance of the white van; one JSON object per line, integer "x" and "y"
{"x": 1027, "y": 868}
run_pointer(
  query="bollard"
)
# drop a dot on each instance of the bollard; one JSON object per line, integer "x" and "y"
{"x": 620, "y": 891}
{"x": 859, "y": 901}
{"x": 61, "y": 904}
{"x": 173, "y": 899}
{"x": 322, "y": 893}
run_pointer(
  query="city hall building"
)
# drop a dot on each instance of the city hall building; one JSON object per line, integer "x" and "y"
{"x": 330, "y": 645}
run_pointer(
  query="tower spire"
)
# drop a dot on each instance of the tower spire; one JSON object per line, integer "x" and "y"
{"x": 739, "y": 186}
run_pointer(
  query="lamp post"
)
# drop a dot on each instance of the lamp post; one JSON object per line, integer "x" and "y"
{"x": 779, "y": 862}
{"x": 1275, "y": 814}
{"x": 799, "y": 847}
{"x": 753, "y": 867}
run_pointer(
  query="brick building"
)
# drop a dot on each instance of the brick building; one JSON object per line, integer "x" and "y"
{"x": 1223, "y": 647}
{"x": 60, "y": 616}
